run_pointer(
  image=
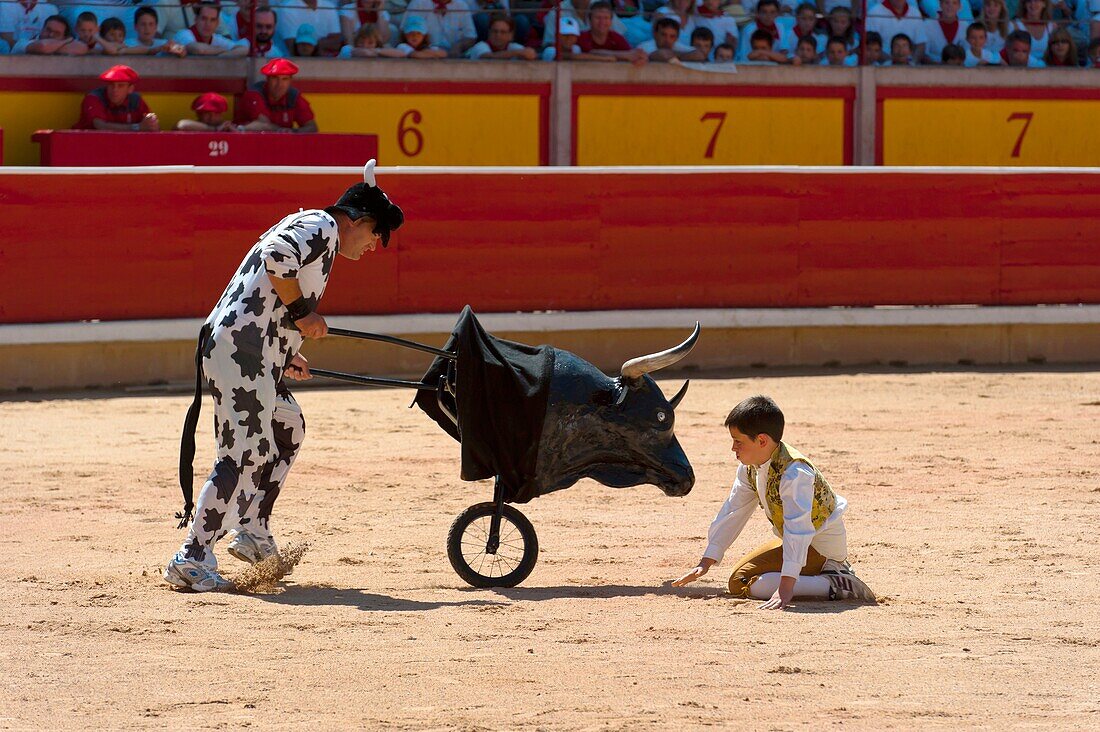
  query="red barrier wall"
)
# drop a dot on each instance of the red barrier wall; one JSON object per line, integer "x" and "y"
{"x": 155, "y": 245}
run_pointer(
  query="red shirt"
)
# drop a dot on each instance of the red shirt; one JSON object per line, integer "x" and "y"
{"x": 614, "y": 42}
{"x": 284, "y": 113}
{"x": 95, "y": 106}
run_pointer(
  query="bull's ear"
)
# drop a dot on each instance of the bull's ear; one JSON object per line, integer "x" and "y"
{"x": 675, "y": 401}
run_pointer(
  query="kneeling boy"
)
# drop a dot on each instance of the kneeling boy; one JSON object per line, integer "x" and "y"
{"x": 809, "y": 559}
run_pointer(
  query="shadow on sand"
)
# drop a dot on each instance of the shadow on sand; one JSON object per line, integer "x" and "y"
{"x": 305, "y": 595}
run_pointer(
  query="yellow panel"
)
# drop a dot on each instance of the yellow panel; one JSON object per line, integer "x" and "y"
{"x": 990, "y": 132}
{"x": 22, "y": 113}
{"x": 438, "y": 129}
{"x": 689, "y": 130}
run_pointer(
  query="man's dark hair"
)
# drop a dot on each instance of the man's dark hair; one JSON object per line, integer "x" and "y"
{"x": 268, "y": 9}
{"x": 600, "y": 5}
{"x": 704, "y": 33}
{"x": 145, "y": 10}
{"x": 666, "y": 23}
{"x": 757, "y": 415}
{"x": 1019, "y": 35}
{"x": 761, "y": 35}
{"x": 873, "y": 37}
{"x": 805, "y": 6}
{"x": 762, "y": 3}
{"x": 207, "y": 4}
{"x": 59, "y": 19}
{"x": 503, "y": 18}
{"x": 952, "y": 52}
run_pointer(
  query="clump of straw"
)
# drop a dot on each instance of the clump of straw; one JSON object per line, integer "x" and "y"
{"x": 264, "y": 576}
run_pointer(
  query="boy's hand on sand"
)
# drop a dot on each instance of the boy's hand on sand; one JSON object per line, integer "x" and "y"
{"x": 781, "y": 600}
{"x": 704, "y": 565}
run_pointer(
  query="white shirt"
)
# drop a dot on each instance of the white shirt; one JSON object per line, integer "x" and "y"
{"x": 744, "y": 45}
{"x": 988, "y": 56}
{"x": 720, "y": 26}
{"x": 651, "y": 45}
{"x": 444, "y": 30}
{"x": 931, "y": 9}
{"x": 1038, "y": 45}
{"x": 790, "y": 42}
{"x": 481, "y": 48}
{"x": 23, "y": 24}
{"x": 186, "y": 37}
{"x": 325, "y": 19}
{"x": 883, "y": 21}
{"x": 685, "y": 28}
{"x": 937, "y": 41}
{"x": 796, "y": 489}
{"x": 408, "y": 50}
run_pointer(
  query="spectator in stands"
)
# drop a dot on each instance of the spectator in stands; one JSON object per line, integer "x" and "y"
{"x": 264, "y": 42}
{"x": 55, "y": 39}
{"x": 485, "y": 10}
{"x": 711, "y": 15}
{"x": 941, "y": 32}
{"x": 702, "y": 40}
{"x": 368, "y": 44}
{"x": 415, "y": 41}
{"x": 569, "y": 32}
{"x": 682, "y": 11}
{"x": 806, "y": 27}
{"x": 23, "y": 20}
{"x": 1094, "y": 54}
{"x": 146, "y": 41}
{"x": 1033, "y": 17}
{"x": 210, "y": 108}
{"x": 836, "y": 53}
{"x": 891, "y": 17}
{"x": 805, "y": 51}
{"x": 901, "y": 51}
{"x": 872, "y": 52}
{"x": 87, "y": 31}
{"x": 995, "y": 19}
{"x": 578, "y": 11}
{"x": 1017, "y": 51}
{"x": 448, "y": 23}
{"x": 356, "y": 14}
{"x": 305, "y": 41}
{"x": 322, "y": 16}
{"x": 841, "y": 26}
{"x": 112, "y": 36}
{"x": 767, "y": 21}
{"x": 501, "y": 44}
{"x": 116, "y": 106}
{"x": 601, "y": 40}
{"x": 932, "y": 9}
{"x": 275, "y": 105}
{"x": 762, "y": 48}
{"x": 1061, "y": 51}
{"x": 976, "y": 52}
{"x": 202, "y": 38}
{"x": 724, "y": 53}
{"x": 665, "y": 45}
{"x": 953, "y": 55}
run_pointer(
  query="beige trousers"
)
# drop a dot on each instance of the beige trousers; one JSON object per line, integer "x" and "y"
{"x": 768, "y": 557}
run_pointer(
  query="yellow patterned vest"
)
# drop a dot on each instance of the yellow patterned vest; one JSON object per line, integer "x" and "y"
{"x": 824, "y": 498}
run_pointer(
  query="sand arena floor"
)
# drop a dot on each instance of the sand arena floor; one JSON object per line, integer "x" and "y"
{"x": 975, "y": 506}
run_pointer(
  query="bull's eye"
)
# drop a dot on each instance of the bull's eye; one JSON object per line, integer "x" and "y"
{"x": 661, "y": 416}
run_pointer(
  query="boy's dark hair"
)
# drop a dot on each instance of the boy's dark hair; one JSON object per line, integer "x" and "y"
{"x": 88, "y": 17}
{"x": 810, "y": 41}
{"x": 804, "y": 6}
{"x": 873, "y": 37}
{"x": 144, "y": 10}
{"x": 59, "y": 19}
{"x": 762, "y": 3}
{"x": 110, "y": 24}
{"x": 732, "y": 49}
{"x": 951, "y": 52}
{"x": 1019, "y": 35}
{"x": 976, "y": 26}
{"x": 503, "y": 18}
{"x": 901, "y": 37}
{"x": 757, "y": 415}
{"x": 666, "y": 23}
{"x": 761, "y": 35}
{"x": 836, "y": 40}
{"x": 601, "y": 5}
{"x": 704, "y": 33}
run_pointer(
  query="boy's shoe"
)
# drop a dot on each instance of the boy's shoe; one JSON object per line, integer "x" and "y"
{"x": 847, "y": 586}
{"x": 250, "y": 548}
{"x": 191, "y": 575}
{"x": 832, "y": 566}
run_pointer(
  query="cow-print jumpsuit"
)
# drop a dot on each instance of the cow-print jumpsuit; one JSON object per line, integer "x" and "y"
{"x": 258, "y": 426}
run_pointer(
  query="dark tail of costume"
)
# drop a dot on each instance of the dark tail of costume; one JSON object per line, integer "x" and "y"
{"x": 187, "y": 442}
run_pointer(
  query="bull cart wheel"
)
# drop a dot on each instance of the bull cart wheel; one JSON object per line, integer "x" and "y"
{"x": 483, "y": 560}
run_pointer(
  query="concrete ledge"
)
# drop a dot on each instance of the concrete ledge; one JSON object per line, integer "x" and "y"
{"x": 78, "y": 355}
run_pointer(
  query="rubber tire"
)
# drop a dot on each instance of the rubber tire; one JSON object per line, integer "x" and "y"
{"x": 466, "y": 572}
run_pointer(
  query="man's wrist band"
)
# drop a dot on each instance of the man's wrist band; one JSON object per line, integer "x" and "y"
{"x": 299, "y": 309}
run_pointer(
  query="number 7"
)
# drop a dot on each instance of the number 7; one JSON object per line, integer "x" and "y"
{"x": 1026, "y": 116}
{"x": 721, "y": 117}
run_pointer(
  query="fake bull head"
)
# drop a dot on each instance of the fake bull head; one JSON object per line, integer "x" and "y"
{"x": 618, "y": 431}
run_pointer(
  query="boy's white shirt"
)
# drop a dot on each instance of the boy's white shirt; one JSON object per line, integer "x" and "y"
{"x": 796, "y": 489}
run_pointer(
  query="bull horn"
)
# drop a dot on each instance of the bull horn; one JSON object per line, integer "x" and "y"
{"x": 675, "y": 401}
{"x": 635, "y": 368}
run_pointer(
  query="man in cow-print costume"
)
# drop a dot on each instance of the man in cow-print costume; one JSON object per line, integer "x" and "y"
{"x": 248, "y": 344}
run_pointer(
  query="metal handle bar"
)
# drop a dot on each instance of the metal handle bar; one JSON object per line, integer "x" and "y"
{"x": 392, "y": 340}
{"x": 373, "y": 380}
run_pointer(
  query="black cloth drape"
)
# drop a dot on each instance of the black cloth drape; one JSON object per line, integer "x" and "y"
{"x": 501, "y": 394}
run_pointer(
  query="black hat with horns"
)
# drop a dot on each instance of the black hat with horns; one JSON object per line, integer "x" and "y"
{"x": 367, "y": 199}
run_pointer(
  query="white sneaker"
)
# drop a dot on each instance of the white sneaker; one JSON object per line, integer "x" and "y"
{"x": 832, "y": 566}
{"x": 251, "y": 548}
{"x": 847, "y": 586}
{"x": 192, "y": 575}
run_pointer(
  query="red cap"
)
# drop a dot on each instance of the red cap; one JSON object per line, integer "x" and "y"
{"x": 210, "y": 102}
{"x": 119, "y": 73}
{"x": 279, "y": 67}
